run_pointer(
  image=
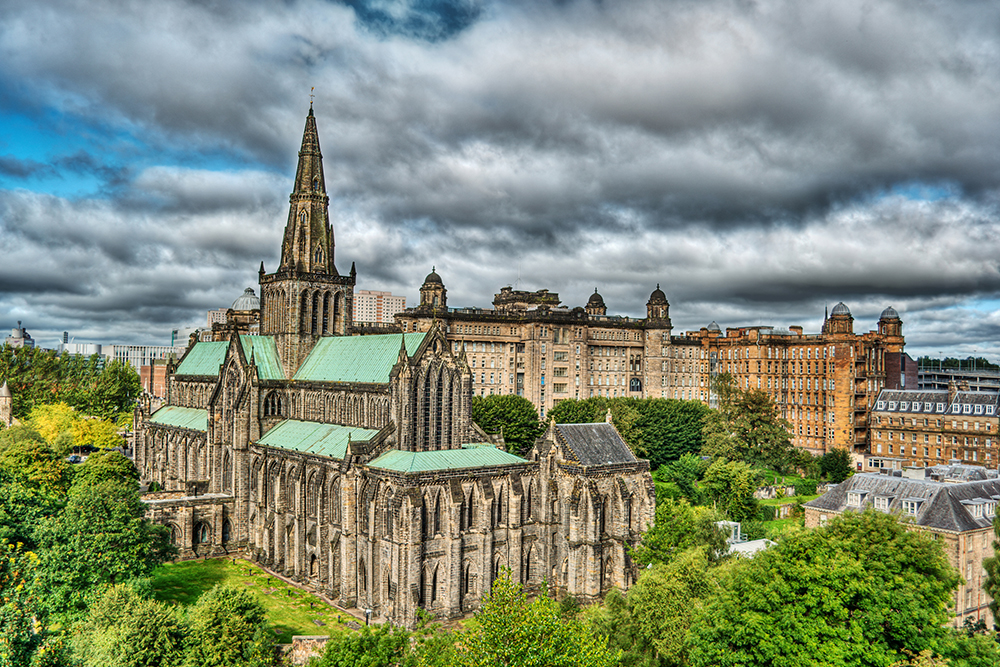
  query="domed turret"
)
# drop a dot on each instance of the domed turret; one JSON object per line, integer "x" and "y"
{"x": 889, "y": 314}
{"x": 840, "y": 309}
{"x": 889, "y": 323}
{"x": 840, "y": 320}
{"x": 595, "y": 305}
{"x": 247, "y": 301}
{"x": 714, "y": 327}
{"x": 433, "y": 295}
{"x": 657, "y": 308}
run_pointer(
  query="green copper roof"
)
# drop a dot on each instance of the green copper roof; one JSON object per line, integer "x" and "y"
{"x": 470, "y": 456}
{"x": 265, "y": 355}
{"x": 171, "y": 415}
{"x": 356, "y": 358}
{"x": 204, "y": 359}
{"x": 315, "y": 438}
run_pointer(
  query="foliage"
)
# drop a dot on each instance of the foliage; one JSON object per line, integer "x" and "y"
{"x": 615, "y": 622}
{"x": 106, "y": 466}
{"x": 23, "y": 506}
{"x": 37, "y": 464}
{"x": 115, "y": 391}
{"x": 679, "y": 526}
{"x": 747, "y": 427}
{"x": 858, "y": 591}
{"x": 977, "y": 649}
{"x": 125, "y": 629}
{"x": 53, "y": 420}
{"x": 514, "y": 632}
{"x": 96, "y": 433}
{"x": 730, "y": 485}
{"x": 20, "y": 635}
{"x": 658, "y": 428}
{"x": 835, "y": 465}
{"x": 228, "y": 628}
{"x": 18, "y": 433}
{"x": 684, "y": 472}
{"x": 100, "y": 537}
{"x": 514, "y": 416}
{"x": 805, "y": 487}
{"x": 383, "y": 647}
{"x": 968, "y": 364}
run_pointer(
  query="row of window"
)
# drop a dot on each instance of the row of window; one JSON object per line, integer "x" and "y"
{"x": 928, "y": 406}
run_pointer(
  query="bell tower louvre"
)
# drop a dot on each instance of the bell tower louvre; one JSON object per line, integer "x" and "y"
{"x": 306, "y": 297}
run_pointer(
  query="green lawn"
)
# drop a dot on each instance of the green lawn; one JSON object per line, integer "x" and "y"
{"x": 289, "y": 610}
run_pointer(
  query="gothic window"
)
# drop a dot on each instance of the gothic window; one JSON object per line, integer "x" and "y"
{"x": 227, "y": 473}
{"x": 318, "y": 256}
{"x": 335, "y": 501}
{"x": 434, "y": 586}
{"x": 227, "y": 530}
{"x": 424, "y": 519}
{"x": 363, "y": 575}
{"x": 315, "y": 314}
{"x": 313, "y": 566}
{"x": 302, "y": 216}
{"x": 326, "y": 313}
{"x": 315, "y": 185}
{"x": 437, "y": 515}
{"x": 467, "y": 580}
{"x": 202, "y": 534}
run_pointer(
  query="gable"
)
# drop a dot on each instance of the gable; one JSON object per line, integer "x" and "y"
{"x": 365, "y": 359}
{"x": 265, "y": 356}
{"x": 595, "y": 444}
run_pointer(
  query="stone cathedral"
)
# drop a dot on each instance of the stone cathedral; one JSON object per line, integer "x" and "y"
{"x": 351, "y": 464}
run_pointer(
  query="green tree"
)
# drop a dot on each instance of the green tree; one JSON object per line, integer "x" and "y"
{"x": 679, "y": 526}
{"x": 858, "y": 592}
{"x": 835, "y": 465}
{"x": 747, "y": 427}
{"x": 514, "y": 416}
{"x": 384, "y": 646}
{"x": 53, "y": 420}
{"x": 96, "y": 433}
{"x": 101, "y": 537}
{"x": 684, "y": 473}
{"x": 106, "y": 466}
{"x": 37, "y": 464}
{"x": 514, "y": 632}
{"x": 20, "y": 635}
{"x": 730, "y": 485}
{"x": 671, "y": 428}
{"x": 228, "y": 628}
{"x": 23, "y": 506}
{"x": 125, "y": 629}
{"x": 115, "y": 391}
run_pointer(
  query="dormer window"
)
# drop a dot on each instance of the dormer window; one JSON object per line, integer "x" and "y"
{"x": 966, "y": 409}
{"x": 856, "y": 498}
{"x": 892, "y": 406}
{"x": 904, "y": 406}
{"x": 940, "y": 407}
{"x": 916, "y": 406}
{"x": 912, "y": 505}
{"x": 989, "y": 409}
{"x": 979, "y": 409}
{"x": 881, "y": 405}
{"x": 882, "y": 503}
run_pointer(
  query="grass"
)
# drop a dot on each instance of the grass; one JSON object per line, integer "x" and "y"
{"x": 289, "y": 610}
{"x": 790, "y": 500}
{"x": 775, "y": 530}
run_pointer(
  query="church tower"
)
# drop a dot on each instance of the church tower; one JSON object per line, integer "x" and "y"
{"x": 306, "y": 298}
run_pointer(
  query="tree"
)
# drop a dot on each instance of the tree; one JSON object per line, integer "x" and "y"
{"x": 228, "y": 628}
{"x": 53, "y": 420}
{"x": 115, "y": 390}
{"x": 37, "y": 464}
{"x": 125, "y": 629}
{"x": 19, "y": 636}
{"x": 106, "y": 466}
{"x": 96, "y": 433}
{"x": 730, "y": 485}
{"x": 679, "y": 526}
{"x": 385, "y": 646}
{"x": 514, "y": 416}
{"x": 685, "y": 473}
{"x": 836, "y": 465}
{"x": 859, "y": 591}
{"x": 747, "y": 427}
{"x": 23, "y": 506}
{"x": 513, "y": 632}
{"x": 101, "y": 537}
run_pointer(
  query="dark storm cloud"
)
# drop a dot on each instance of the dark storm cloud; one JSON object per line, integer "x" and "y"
{"x": 17, "y": 168}
{"x": 760, "y": 160}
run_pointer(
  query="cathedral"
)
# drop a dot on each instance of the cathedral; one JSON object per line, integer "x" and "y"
{"x": 350, "y": 463}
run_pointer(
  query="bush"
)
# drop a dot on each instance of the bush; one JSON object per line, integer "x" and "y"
{"x": 767, "y": 512}
{"x": 805, "y": 487}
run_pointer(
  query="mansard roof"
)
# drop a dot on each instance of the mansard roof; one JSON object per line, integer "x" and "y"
{"x": 315, "y": 438}
{"x": 265, "y": 356}
{"x": 937, "y": 401}
{"x": 940, "y": 505}
{"x": 475, "y": 455}
{"x": 595, "y": 444}
{"x": 190, "y": 418}
{"x": 204, "y": 359}
{"x": 367, "y": 359}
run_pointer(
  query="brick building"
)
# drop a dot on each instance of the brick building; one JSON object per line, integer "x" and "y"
{"x": 956, "y": 503}
{"x": 350, "y": 463}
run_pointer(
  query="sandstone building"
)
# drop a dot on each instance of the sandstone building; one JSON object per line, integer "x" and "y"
{"x": 351, "y": 463}
{"x": 956, "y": 503}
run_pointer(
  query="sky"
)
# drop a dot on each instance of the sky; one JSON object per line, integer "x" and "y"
{"x": 760, "y": 161}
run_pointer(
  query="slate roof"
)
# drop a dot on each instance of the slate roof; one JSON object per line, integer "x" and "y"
{"x": 172, "y": 415}
{"x": 265, "y": 356}
{"x": 595, "y": 444}
{"x": 941, "y": 505}
{"x": 367, "y": 359}
{"x": 475, "y": 455}
{"x": 204, "y": 359}
{"x": 935, "y": 401}
{"x": 315, "y": 438}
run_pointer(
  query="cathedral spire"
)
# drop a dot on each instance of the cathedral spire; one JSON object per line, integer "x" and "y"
{"x": 308, "y": 243}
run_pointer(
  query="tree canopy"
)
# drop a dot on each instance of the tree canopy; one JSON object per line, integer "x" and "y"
{"x": 514, "y": 416}
{"x": 747, "y": 427}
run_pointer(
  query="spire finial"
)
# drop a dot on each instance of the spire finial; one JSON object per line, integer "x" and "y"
{"x": 311, "y": 96}
{"x": 595, "y": 290}
{"x": 433, "y": 269}
{"x": 657, "y": 285}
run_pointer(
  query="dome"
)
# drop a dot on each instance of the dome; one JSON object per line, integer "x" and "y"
{"x": 841, "y": 309}
{"x": 596, "y": 300}
{"x": 433, "y": 277}
{"x": 657, "y": 296}
{"x": 889, "y": 314}
{"x": 714, "y": 326}
{"x": 248, "y": 301}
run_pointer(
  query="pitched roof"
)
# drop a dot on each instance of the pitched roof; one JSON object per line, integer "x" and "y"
{"x": 172, "y": 415}
{"x": 595, "y": 444}
{"x": 265, "y": 356}
{"x": 366, "y": 359}
{"x": 934, "y": 401}
{"x": 315, "y": 438}
{"x": 204, "y": 359}
{"x": 470, "y": 456}
{"x": 940, "y": 504}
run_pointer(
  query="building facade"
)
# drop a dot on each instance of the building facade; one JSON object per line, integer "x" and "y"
{"x": 529, "y": 345}
{"x": 351, "y": 463}
{"x": 921, "y": 428}
{"x": 955, "y": 503}
{"x": 373, "y": 306}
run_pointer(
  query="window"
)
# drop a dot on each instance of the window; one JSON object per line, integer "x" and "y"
{"x": 911, "y": 505}
{"x": 856, "y": 498}
{"x": 560, "y": 356}
{"x": 882, "y": 502}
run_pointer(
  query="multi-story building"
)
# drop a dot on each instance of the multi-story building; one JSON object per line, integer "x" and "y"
{"x": 529, "y": 345}
{"x": 372, "y": 306}
{"x": 931, "y": 427}
{"x": 956, "y": 503}
{"x": 824, "y": 384}
{"x": 19, "y": 337}
{"x": 142, "y": 355}
{"x": 942, "y": 378}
